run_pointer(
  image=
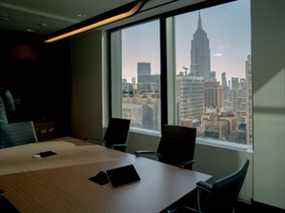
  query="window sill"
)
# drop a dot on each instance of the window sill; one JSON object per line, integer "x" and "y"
{"x": 225, "y": 145}
{"x": 145, "y": 132}
{"x": 201, "y": 141}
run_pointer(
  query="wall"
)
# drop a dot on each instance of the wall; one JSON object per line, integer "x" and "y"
{"x": 38, "y": 77}
{"x": 86, "y": 101}
{"x": 268, "y": 64}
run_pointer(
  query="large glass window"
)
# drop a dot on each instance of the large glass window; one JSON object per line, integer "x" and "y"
{"x": 209, "y": 80}
{"x": 213, "y": 72}
{"x": 135, "y": 56}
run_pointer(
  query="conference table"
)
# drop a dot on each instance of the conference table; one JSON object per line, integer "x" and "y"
{"x": 49, "y": 186}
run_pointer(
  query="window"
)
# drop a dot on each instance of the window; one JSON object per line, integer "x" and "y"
{"x": 135, "y": 59}
{"x": 209, "y": 85}
{"x": 213, "y": 72}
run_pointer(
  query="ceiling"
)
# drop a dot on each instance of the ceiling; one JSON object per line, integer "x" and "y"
{"x": 51, "y": 15}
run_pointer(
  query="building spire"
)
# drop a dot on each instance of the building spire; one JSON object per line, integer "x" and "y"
{"x": 200, "y": 21}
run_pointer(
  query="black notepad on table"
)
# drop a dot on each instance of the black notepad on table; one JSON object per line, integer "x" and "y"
{"x": 44, "y": 154}
{"x": 123, "y": 175}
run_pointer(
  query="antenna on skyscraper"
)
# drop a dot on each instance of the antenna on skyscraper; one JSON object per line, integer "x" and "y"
{"x": 185, "y": 69}
{"x": 200, "y": 20}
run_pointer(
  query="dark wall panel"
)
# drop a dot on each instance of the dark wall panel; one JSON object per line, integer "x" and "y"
{"x": 38, "y": 75}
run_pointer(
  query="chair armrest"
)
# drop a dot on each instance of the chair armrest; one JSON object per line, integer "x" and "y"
{"x": 204, "y": 186}
{"x": 144, "y": 152}
{"x": 119, "y": 147}
{"x": 191, "y": 210}
{"x": 184, "y": 209}
{"x": 186, "y": 164}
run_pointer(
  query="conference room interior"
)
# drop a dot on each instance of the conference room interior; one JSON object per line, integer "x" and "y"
{"x": 142, "y": 106}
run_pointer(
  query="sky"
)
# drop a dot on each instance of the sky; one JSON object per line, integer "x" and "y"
{"x": 228, "y": 29}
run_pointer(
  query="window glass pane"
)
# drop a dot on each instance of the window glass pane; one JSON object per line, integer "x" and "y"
{"x": 213, "y": 72}
{"x": 139, "y": 61}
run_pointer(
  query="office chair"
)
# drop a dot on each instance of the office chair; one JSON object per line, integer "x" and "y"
{"x": 6, "y": 206}
{"x": 14, "y": 134}
{"x": 117, "y": 134}
{"x": 176, "y": 146}
{"x": 7, "y": 104}
{"x": 220, "y": 195}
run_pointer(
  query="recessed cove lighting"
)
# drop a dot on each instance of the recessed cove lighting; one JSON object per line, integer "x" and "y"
{"x": 109, "y": 17}
{"x": 4, "y": 18}
{"x": 43, "y": 24}
{"x": 81, "y": 15}
{"x": 30, "y": 30}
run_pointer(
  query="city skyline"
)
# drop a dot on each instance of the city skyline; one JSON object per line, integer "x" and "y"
{"x": 226, "y": 55}
{"x": 213, "y": 73}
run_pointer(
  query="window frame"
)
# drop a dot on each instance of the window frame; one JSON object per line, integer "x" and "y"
{"x": 163, "y": 77}
{"x": 168, "y": 117}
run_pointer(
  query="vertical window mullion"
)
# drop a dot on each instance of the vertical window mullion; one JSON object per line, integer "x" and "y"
{"x": 116, "y": 74}
{"x": 171, "y": 70}
{"x": 163, "y": 75}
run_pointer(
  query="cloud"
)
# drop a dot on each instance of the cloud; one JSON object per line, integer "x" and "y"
{"x": 218, "y": 54}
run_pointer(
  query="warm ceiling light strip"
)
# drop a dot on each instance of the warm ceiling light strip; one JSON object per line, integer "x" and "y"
{"x": 97, "y": 24}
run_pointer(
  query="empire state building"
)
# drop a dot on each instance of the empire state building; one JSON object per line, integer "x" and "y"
{"x": 200, "y": 53}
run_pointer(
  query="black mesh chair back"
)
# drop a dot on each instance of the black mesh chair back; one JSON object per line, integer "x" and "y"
{"x": 117, "y": 132}
{"x": 177, "y": 144}
{"x": 224, "y": 192}
{"x": 14, "y": 134}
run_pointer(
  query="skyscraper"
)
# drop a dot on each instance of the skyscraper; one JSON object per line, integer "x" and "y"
{"x": 143, "y": 73}
{"x": 248, "y": 74}
{"x": 250, "y": 97}
{"x": 200, "y": 53}
{"x": 235, "y": 83}
{"x": 224, "y": 80}
{"x": 147, "y": 83}
{"x": 213, "y": 76}
{"x": 213, "y": 92}
{"x": 190, "y": 97}
{"x": 144, "y": 69}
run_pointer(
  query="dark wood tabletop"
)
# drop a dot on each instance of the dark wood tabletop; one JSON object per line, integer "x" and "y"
{"x": 68, "y": 189}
